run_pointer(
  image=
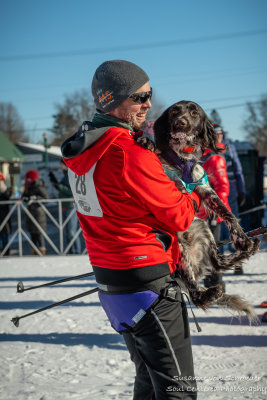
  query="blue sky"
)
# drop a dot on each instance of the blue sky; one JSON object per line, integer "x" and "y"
{"x": 211, "y": 52}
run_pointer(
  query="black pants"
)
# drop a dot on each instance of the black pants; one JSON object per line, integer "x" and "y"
{"x": 160, "y": 347}
{"x": 38, "y": 239}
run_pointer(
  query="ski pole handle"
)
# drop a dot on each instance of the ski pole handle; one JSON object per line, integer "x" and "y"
{"x": 21, "y": 289}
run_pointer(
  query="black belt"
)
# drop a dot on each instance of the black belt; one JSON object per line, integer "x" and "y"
{"x": 156, "y": 286}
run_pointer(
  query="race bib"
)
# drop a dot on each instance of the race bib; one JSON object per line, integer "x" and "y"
{"x": 84, "y": 193}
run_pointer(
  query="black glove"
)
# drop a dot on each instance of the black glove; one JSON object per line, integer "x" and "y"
{"x": 52, "y": 178}
{"x": 241, "y": 199}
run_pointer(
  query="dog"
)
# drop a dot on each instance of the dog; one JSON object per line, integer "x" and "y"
{"x": 182, "y": 133}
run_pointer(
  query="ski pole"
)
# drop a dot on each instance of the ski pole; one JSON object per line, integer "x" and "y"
{"x": 21, "y": 289}
{"x": 15, "y": 320}
{"x": 253, "y": 209}
{"x": 253, "y": 233}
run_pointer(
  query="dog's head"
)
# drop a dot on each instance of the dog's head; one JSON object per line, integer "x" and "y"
{"x": 186, "y": 129}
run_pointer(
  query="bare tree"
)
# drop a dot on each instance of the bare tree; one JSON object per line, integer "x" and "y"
{"x": 77, "y": 107}
{"x": 216, "y": 117}
{"x": 256, "y": 125}
{"x": 11, "y": 123}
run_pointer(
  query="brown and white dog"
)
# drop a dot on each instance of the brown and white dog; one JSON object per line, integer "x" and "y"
{"x": 182, "y": 133}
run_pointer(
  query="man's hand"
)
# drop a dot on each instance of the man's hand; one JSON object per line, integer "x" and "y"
{"x": 241, "y": 199}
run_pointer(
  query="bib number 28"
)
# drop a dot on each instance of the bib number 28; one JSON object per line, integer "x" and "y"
{"x": 80, "y": 186}
{"x": 84, "y": 193}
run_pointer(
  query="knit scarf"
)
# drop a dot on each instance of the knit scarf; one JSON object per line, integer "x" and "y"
{"x": 102, "y": 120}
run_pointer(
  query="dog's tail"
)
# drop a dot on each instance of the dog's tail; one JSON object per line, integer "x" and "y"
{"x": 239, "y": 305}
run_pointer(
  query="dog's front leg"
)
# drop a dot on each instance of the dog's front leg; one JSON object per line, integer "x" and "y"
{"x": 238, "y": 236}
{"x": 147, "y": 143}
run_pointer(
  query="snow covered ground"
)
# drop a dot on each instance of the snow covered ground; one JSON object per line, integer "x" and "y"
{"x": 72, "y": 353}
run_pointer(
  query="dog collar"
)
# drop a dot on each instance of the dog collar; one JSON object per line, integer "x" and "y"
{"x": 189, "y": 149}
{"x": 184, "y": 166}
{"x": 190, "y": 187}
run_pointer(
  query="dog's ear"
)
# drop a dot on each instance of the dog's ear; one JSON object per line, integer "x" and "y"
{"x": 162, "y": 130}
{"x": 209, "y": 136}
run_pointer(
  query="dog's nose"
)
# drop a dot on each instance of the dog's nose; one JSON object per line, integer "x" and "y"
{"x": 182, "y": 122}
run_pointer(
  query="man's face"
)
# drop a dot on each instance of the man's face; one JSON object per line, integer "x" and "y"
{"x": 219, "y": 135}
{"x": 131, "y": 112}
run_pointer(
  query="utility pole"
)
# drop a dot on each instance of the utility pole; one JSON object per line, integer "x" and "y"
{"x": 45, "y": 136}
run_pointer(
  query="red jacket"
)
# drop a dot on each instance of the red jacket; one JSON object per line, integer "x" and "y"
{"x": 126, "y": 205}
{"x": 215, "y": 166}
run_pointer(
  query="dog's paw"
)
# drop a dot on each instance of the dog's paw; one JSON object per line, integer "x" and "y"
{"x": 204, "y": 298}
{"x": 241, "y": 241}
{"x": 214, "y": 293}
{"x": 239, "y": 238}
{"x": 256, "y": 245}
{"x": 147, "y": 143}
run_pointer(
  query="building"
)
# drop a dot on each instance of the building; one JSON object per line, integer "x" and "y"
{"x": 43, "y": 159}
{"x": 11, "y": 161}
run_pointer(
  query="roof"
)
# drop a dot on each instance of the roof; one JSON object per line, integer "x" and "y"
{"x": 55, "y": 150}
{"x": 244, "y": 146}
{"x": 8, "y": 151}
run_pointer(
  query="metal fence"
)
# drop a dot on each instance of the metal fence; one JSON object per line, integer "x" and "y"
{"x": 19, "y": 240}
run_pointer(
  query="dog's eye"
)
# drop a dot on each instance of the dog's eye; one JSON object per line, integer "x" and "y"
{"x": 193, "y": 113}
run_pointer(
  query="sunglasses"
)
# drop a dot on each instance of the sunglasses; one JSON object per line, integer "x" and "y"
{"x": 141, "y": 97}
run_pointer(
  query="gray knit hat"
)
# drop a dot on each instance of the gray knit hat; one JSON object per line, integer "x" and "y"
{"x": 114, "y": 81}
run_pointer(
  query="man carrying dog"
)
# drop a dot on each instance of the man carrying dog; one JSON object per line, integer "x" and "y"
{"x": 129, "y": 211}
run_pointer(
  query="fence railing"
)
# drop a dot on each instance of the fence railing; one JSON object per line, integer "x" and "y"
{"x": 54, "y": 235}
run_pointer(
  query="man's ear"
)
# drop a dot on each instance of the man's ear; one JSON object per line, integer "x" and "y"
{"x": 162, "y": 130}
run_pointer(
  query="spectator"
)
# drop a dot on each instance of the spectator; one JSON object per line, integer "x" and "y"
{"x": 64, "y": 191}
{"x": 236, "y": 196}
{"x": 215, "y": 166}
{"x": 35, "y": 190}
{"x": 5, "y": 194}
